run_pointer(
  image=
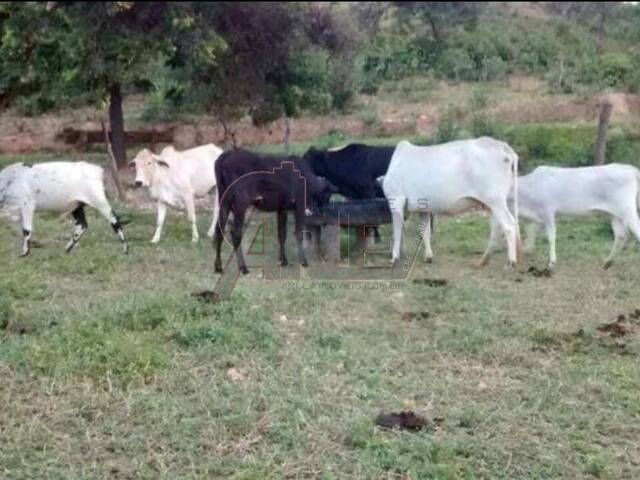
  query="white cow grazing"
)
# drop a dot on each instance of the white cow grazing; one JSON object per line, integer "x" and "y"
{"x": 612, "y": 189}
{"x": 64, "y": 187}
{"x": 450, "y": 178}
{"x": 175, "y": 178}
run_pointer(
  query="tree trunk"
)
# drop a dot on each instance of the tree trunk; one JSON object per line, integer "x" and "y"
{"x": 113, "y": 165}
{"x": 603, "y": 19}
{"x": 603, "y": 125}
{"x": 116, "y": 121}
{"x": 287, "y": 135}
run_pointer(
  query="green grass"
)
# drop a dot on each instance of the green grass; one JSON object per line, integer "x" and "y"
{"x": 111, "y": 369}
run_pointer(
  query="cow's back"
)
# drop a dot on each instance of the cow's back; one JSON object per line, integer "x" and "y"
{"x": 193, "y": 168}
{"x": 441, "y": 174}
{"x": 575, "y": 191}
{"x": 355, "y": 167}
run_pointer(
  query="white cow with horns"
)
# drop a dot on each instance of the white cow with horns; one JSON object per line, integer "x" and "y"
{"x": 175, "y": 178}
{"x": 63, "y": 187}
{"x": 450, "y": 178}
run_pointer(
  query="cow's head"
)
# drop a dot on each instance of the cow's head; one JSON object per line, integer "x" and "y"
{"x": 145, "y": 163}
{"x": 322, "y": 192}
{"x": 316, "y": 159}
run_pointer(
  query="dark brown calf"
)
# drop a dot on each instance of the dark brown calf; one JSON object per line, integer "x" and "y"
{"x": 271, "y": 184}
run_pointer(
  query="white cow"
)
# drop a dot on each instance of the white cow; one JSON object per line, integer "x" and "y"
{"x": 63, "y": 187}
{"x": 612, "y": 189}
{"x": 175, "y": 178}
{"x": 450, "y": 178}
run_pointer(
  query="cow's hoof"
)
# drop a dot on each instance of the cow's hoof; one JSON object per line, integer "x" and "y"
{"x": 510, "y": 266}
{"x": 244, "y": 270}
{"x": 217, "y": 269}
{"x": 126, "y": 250}
{"x": 284, "y": 263}
{"x": 154, "y": 241}
{"x": 484, "y": 261}
{"x": 305, "y": 264}
{"x": 428, "y": 260}
{"x": 194, "y": 240}
{"x": 24, "y": 254}
{"x": 607, "y": 264}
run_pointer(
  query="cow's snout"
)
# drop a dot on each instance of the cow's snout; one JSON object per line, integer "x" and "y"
{"x": 137, "y": 184}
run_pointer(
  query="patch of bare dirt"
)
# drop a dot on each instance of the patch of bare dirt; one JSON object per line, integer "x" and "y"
{"x": 524, "y": 9}
{"x": 622, "y": 326}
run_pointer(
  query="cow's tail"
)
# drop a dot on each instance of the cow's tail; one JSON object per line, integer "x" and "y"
{"x": 638, "y": 190}
{"x": 514, "y": 168}
{"x": 217, "y": 171}
{"x": 221, "y": 188}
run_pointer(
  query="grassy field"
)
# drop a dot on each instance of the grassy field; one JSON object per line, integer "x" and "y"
{"x": 111, "y": 369}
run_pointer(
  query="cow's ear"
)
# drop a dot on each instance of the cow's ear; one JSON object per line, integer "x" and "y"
{"x": 162, "y": 163}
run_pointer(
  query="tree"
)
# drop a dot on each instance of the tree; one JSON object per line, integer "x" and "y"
{"x": 60, "y": 53}
{"x": 257, "y": 59}
{"x": 441, "y": 16}
{"x": 116, "y": 42}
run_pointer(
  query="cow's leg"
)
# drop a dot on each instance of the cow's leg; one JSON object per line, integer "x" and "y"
{"x": 80, "y": 227}
{"x": 299, "y": 239}
{"x": 219, "y": 234}
{"x": 398, "y": 228}
{"x": 105, "y": 210}
{"x": 26, "y": 219}
{"x": 236, "y": 238}
{"x": 550, "y": 231}
{"x": 530, "y": 241}
{"x": 282, "y": 236}
{"x": 494, "y": 239}
{"x": 633, "y": 224}
{"x": 377, "y": 238}
{"x": 508, "y": 225}
{"x": 316, "y": 231}
{"x": 161, "y": 215}
{"x": 212, "y": 229}
{"x": 619, "y": 239}
{"x": 190, "y": 206}
{"x": 425, "y": 219}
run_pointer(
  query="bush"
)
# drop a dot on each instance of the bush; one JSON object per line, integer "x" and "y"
{"x": 481, "y": 124}
{"x": 448, "y": 128}
{"x": 457, "y": 65}
{"x": 332, "y": 139}
{"x": 551, "y": 144}
{"x": 370, "y": 116}
{"x": 617, "y": 70}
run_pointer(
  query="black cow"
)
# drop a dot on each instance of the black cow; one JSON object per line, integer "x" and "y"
{"x": 271, "y": 184}
{"x": 353, "y": 169}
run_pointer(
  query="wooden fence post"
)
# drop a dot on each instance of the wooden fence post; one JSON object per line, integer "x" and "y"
{"x": 603, "y": 125}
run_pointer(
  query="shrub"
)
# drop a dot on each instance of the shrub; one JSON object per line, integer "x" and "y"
{"x": 448, "y": 127}
{"x": 370, "y": 116}
{"x": 617, "y": 70}
{"x": 480, "y": 124}
{"x": 457, "y": 64}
